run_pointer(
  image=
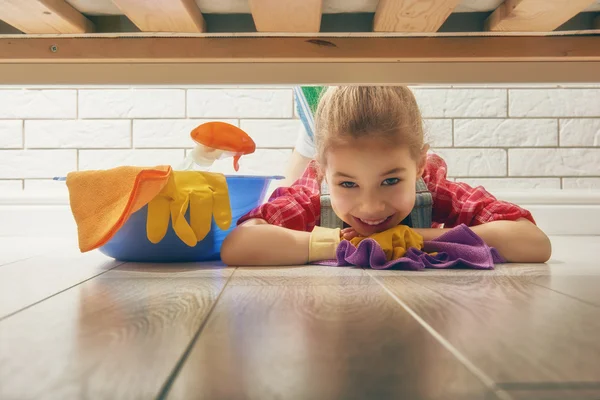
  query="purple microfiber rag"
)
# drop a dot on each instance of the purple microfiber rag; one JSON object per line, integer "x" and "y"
{"x": 459, "y": 247}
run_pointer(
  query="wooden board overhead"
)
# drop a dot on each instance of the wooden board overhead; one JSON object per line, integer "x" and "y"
{"x": 295, "y": 73}
{"x": 412, "y": 15}
{"x": 299, "y": 60}
{"x": 534, "y": 15}
{"x": 178, "y": 44}
{"x": 299, "y": 49}
{"x": 44, "y": 16}
{"x": 286, "y": 15}
{"x": 163, "y": 15}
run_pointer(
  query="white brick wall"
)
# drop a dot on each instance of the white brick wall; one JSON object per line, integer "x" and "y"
{"x": 505, "y": 132}
{"x": 10, "y": 186}
{"x": 275, "y": 133}
{"x": 132, "y": 103}
{"x": 461, "y": 103}
{"x": 438, "y": 132}
{"x": 542, "y": 137}
{"x": 513, "y": 183}
{"x": 45, "y": 185}
{"x": 31, "y": 104}
{"x": 240, "y": 103}
{"x": 474, "y": 162}
{"x": 580, "y": 132}
{"x": 554, "y": 102}
{"x": 105, "y": 159}
{"x": 581, "y": 183}
{"x": 76, "y": 134}
{"x": 11, "y": 134}
{"x": 18, "y": 164}
{"x": 554, "y": 162}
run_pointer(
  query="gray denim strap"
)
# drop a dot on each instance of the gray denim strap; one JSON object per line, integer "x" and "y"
{"x": 328, "y": 218}
{"x": 421, "y": 214}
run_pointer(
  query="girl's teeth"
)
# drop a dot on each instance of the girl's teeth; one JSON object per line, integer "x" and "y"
{"x": 373, "y": 222}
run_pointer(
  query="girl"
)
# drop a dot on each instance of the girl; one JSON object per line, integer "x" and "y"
{"x": 372, "y": 156}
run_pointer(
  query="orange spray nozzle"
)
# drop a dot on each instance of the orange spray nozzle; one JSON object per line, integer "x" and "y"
{"x": 226, "y": 137}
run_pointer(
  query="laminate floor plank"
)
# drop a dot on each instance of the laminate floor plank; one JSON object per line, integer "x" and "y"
{"x": 553, "y": 391}
{"x": 26, "y": 282}
{"x": 575, "y": 249}
{"x": 583, "y": 287}
{"x": 117, "y": 336}
{"x": 19, "y": 248}
{"x": 319, "y": 342}
{"x": 302, "y": 275}
{"x": 512, "y": 269}
{"x": 509, "y": 327}
{"x": 575, "y": 269}
{"x": 76, "y": 326}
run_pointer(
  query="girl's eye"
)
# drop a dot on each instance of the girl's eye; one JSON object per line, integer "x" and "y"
{"x": 348, "y": 185}
{"x": 390, "y": 181}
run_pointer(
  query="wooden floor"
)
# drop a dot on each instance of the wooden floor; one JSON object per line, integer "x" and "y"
{"x": 81, "y": 326}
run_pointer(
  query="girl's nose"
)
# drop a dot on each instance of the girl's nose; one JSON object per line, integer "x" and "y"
{"x": 372, "y": 204}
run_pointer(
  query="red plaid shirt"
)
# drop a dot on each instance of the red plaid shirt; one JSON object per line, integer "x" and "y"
{"x": 299, "y": 206}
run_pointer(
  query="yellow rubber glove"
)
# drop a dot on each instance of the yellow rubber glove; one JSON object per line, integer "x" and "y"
{"x": 323, "y": 243}
{"x": 205, "y": 193}
{"x": 394, "y": 241}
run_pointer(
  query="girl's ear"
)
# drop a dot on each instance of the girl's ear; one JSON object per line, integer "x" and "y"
{"x": 422, "y": 161}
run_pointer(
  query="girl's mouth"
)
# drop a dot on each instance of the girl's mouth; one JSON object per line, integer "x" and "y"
{"x": 374, "y": 223}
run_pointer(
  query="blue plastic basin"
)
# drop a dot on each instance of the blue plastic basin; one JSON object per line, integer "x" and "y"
{"x": 131, "y": 243}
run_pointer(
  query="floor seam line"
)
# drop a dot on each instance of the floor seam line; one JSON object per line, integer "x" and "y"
{"x": 166, "y": 388}
{"x": 16, "y": 261}
{"x": 472, "y": 368}
{"x": 59, "y": 292}
{"x": 566, "y": 294}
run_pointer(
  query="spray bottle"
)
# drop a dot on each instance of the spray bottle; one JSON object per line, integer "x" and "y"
{"x": 217, "y": 141}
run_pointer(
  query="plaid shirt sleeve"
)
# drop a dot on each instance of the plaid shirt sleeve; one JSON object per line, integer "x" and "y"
{"x": 296, "y": 207}
{"x": 456, "y": 203}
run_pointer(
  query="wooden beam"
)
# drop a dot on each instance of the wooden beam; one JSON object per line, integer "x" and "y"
{"x": 298, "y": 49}
{"x": 287, "y": 15}
{"x": 412, "y": 15}
{"x": 44, "y": 16}
{"x": 297, "y": 73}
{"x": 163, "y": 15}
{"x": 534, "y": 15}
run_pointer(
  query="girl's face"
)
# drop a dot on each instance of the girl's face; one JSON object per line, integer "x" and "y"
{"x": 372, "y": 184}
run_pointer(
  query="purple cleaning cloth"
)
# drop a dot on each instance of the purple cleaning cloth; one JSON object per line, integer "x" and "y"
{"x": 459, "y": 247}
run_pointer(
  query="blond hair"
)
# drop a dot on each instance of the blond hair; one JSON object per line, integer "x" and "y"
{"x": 351, "y": 112}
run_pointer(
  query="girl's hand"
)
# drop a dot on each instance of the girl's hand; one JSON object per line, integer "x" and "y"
{"x": 349, "y": 233}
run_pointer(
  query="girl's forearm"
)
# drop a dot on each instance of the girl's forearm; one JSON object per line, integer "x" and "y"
{"x": 258, "y": 243}
{"x": 516, "y": 241}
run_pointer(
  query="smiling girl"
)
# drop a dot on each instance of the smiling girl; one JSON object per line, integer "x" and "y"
{"x": 372, "y": 157}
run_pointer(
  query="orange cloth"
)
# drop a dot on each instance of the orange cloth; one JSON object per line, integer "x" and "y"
{"x": 102, "y": 201}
